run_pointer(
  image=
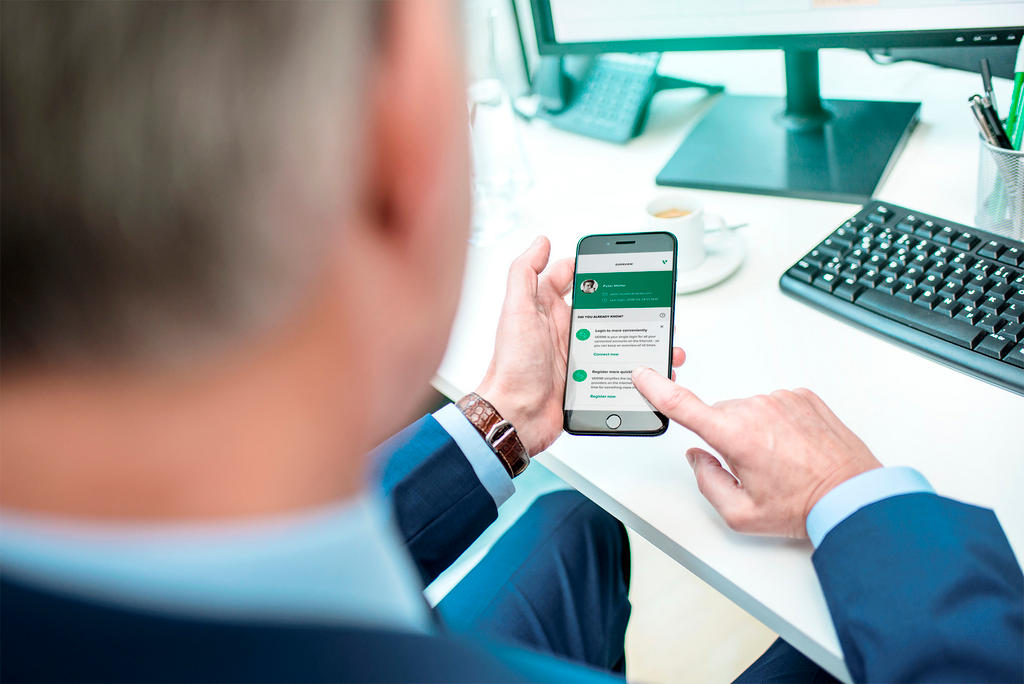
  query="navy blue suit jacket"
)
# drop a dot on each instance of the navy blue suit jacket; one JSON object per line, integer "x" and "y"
{"x": 921, "y": 588}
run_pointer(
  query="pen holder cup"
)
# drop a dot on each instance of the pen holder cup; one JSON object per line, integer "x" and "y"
{"x": 1001, "y": 191}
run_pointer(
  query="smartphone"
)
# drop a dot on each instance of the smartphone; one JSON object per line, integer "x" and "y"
{"x": 623, "y": 306}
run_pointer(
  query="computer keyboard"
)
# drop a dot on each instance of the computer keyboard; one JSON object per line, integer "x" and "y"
{"x": 948, "y": 291}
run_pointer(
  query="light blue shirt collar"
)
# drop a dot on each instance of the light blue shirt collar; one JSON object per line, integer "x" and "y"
{"x": 343, "y": 563}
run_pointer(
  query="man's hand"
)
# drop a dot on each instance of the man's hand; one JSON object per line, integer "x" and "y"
{"x": 788, "y": 450}
{"x": 526, "y": 378}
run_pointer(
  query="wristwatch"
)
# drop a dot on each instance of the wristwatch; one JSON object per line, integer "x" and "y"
{"x": 499, "y": 434}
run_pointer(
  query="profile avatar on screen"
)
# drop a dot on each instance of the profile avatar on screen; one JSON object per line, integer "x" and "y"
{"x": 589, "y": 286}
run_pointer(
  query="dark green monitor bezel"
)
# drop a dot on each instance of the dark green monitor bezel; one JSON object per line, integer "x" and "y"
{"x": 548, "y": 45}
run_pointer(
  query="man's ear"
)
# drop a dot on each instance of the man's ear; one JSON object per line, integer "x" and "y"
{"x": 413, "y": 123}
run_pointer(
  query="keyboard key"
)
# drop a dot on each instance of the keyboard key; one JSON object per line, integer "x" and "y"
{"x": 991, "y": 249}
{"x": 910, "y": 224}
{"x": 949, "y": 329}
{"x": 880, "y": 214}
{"x": 848, "y": 290}
{"x": 961, "y": 259}
{"x": 893, "y": 268}
{"x": 968, "y": 314}
{"x": 978, "y": 281}
{"x": 1015, "y": 331}
{"x": 856, "y": 257}
{"x": 922, "y": 247}
{"x": 856, "y": 225}
{"x": 877, "y": 260}
{"x": 1003, "y": 274}
{"x": 882, "y": 249}
{"x": 871, "y": 230}
{"x": 844, "y": 236}
{"x": 912, "y": 274}
{"x": 948, "y": 307}
{"x": 850, "y": 273}
{"x": 958, "y": 274}
{"x": 928, "y": 300}
{"x": 995, "y": 346}
{"x": 946, "y": 235}
{"x": 989, "y": 322}
{"x": 951, "y": 289}
{"x": 887, "y": 285}
{"x": 1013, "y": 312}
{"x": 921, "y": 262}
{"x": 831, "y": 248}
{"x": 906, "y": 291}
{"x": 803, "y": 271}
{"x": 833, "y": 265}
{"x": 943, "y": 255}
{"x": 1016, "y": 356}
{"x": 966, "y": 241}
{"x": 816, "y": 258}
{"x": 1003, "y": 291}
{"x": 981, "y": 267}
{"x": 991, "y": 304}
{"x": 971, "y": 296}
{"x": 1014, "y": 256}
{"x": 826, "y": 281}
{"x": 931, "y": 282}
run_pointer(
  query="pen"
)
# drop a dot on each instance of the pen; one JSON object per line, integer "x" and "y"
{"x": 979, "y": 116}
{"x": 986, "y": 82}
{"x": 995, "y": 128}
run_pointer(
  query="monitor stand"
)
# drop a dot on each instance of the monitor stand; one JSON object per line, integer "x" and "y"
{"x": 837, "y": 150}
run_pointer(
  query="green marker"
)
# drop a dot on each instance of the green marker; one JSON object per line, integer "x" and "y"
{"x": 582, "y": 334}
{"x": 1014, "y": 121}
{"x": 579, "y": 375}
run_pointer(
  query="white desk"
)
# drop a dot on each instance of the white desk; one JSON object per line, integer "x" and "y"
{"x": 745, "y": 337}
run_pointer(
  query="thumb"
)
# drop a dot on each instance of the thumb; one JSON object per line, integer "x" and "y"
{"x": 676, "y": 402}
{"x": 717, "y": 485}
{"x": 523, "y": 273}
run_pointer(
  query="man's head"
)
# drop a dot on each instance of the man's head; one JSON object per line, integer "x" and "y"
{"x": 194, "y": 186}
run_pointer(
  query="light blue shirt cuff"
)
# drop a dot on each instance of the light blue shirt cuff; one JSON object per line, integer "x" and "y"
{"x": 482, "y": 459}
{"x": 858, "y": 492}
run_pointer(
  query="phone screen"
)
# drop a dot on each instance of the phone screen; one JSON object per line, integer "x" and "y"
{"x": 622, "y": 317}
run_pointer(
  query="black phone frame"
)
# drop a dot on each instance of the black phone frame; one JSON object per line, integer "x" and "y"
{"x": 671, "y": 338}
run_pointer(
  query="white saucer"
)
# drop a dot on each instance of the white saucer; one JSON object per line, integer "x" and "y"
{"x": 726, "y": 251}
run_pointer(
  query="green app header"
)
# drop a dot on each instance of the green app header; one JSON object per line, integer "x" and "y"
{"x": 623, "y": 290}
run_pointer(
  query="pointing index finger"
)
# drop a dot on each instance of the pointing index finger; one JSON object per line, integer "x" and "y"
{"x": 676, "y": 402}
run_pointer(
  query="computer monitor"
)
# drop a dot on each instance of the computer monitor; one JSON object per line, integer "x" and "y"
{"x": 799, "y": 146}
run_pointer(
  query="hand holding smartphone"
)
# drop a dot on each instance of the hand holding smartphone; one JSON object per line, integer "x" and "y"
{"x": 623, "y": 306}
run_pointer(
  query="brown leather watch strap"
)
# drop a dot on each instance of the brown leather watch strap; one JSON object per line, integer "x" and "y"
{"x": 499, "y": 434}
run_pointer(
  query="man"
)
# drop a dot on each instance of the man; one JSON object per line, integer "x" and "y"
{"x": 232, "y": 244}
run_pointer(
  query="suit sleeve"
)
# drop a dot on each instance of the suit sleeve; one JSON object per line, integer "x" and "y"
{"x": 439, "y": 503}
{"x": 923, "y": 588}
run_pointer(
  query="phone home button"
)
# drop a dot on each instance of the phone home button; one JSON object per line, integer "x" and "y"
{"x": 613, "y": 421}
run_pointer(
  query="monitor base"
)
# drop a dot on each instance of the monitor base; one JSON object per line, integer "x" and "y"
{"x": 748, "y": 144}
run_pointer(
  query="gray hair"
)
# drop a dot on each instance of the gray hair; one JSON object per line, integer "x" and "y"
{"x": 171, "y": 171}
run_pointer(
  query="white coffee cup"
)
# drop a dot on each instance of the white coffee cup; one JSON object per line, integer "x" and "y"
{"x": 683, "y": 216}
